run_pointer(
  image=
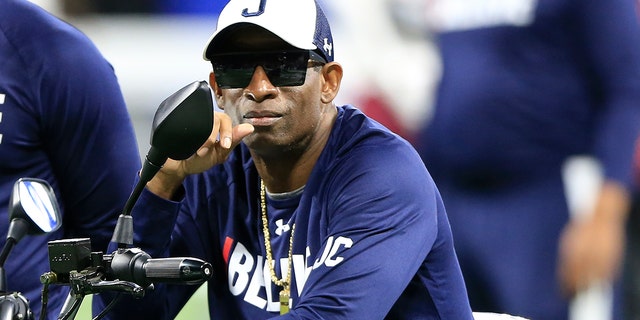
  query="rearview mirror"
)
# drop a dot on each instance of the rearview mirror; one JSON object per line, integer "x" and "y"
{"x": 33, "y": 200}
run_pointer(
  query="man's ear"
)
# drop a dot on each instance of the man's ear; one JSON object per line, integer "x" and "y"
{"x": 217, "y": 92}
{"x": 332, "y": 76}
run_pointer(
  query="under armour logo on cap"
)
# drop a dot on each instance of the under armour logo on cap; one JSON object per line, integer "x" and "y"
{"x": 301, "y": 23}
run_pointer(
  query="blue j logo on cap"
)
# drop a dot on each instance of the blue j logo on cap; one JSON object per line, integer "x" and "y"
{"x": 246, "y": 13}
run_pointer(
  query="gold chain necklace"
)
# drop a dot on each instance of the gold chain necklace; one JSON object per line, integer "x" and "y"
{"x": 285, "y": 298}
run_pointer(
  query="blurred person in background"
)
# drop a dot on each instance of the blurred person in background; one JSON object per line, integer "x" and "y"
{"x": 391, "y": 85}
{"x": 62, "y": 119}
{"x": 526, "y": 85}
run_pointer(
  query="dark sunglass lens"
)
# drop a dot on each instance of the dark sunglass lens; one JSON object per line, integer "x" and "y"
{"x": 228, "y": 78}
{"x": 287, "y": 69}
{"x": 232, "y": 71}
{"x": 287, "y": 77}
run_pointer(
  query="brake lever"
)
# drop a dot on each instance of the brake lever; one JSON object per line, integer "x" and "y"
{"x": 120, "y": 286}
{"x": 90, "y": 281}
{"x": 87, "y": 282}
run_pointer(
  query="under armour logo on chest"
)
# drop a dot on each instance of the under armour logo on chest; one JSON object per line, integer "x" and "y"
{"x": 281, "y": 227}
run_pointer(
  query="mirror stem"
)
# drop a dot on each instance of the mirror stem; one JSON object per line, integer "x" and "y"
{"x": 8, "y": 246}
{"x": 123, "y": 233}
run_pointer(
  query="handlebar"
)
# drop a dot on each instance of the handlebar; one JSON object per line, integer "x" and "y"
{"x": 126, "y": 270}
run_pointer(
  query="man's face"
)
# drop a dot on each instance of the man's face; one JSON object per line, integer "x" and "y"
{"x": 285, "y": 118}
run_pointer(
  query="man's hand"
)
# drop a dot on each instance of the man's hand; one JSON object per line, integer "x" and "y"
{"x": 224, "y": 137}
{"x": 591, "y": 250}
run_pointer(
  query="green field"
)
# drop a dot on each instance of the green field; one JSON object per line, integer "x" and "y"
{"x": 196, "y": 308}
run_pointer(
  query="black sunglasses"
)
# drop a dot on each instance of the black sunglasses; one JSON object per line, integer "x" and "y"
{"x": 284, "y": 68}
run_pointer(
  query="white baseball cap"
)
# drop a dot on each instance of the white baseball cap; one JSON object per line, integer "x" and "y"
{"x": 300, "y": 23}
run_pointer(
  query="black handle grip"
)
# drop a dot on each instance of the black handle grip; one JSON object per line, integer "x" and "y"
{"x": 178, "y": 270}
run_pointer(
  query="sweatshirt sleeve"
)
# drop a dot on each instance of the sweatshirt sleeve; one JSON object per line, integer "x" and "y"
{"x": 610, "y": 33}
